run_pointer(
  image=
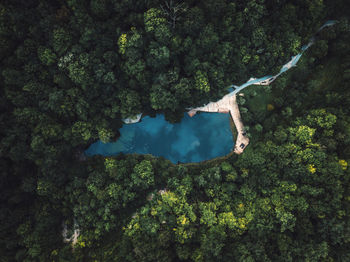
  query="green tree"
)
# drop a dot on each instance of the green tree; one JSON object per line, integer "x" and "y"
{"x": 143, "y": 174}
{"x": 153, "y": 18}
{"x": 61, "y": 40}
{"x": 46, "y": 56}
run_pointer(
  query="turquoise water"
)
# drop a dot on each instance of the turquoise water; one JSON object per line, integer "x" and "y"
{"x": 202, "y": 137}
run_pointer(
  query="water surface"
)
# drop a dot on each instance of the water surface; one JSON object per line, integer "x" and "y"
{"x": 202, "y": 137}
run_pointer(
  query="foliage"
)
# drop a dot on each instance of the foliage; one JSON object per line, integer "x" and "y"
{"x": 71, "y": 70}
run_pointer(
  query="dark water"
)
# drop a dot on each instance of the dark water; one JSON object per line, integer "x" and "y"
{"x": 202, "y": 137}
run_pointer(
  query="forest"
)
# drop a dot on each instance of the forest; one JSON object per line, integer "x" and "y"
{"x": 71, "y": 70}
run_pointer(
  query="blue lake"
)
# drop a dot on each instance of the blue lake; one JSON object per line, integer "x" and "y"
{"x": 202, "y": 137}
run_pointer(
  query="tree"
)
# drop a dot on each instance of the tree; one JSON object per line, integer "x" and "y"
{"x": 158, "y": 57}
{"x": 153, "y": 18}
{"x": 61, "y": 40}
{"x": 100, "y": 8}
{"x": 46, "y": 56}
{"x": 172, "y": 10}
{"x": 129, "y": 103}
{"x": 143, "y": 174}
{"x": 320, "y": 49}
{"x": 82, "y": 130}
{"x": 202, "y": 81}
{"x": 162, "y": 99}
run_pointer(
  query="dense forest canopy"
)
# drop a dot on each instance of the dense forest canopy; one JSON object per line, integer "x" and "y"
{"x": 71, "y": 70}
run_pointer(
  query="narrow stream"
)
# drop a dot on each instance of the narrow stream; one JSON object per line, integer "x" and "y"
{"x": 203, "y": 137}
